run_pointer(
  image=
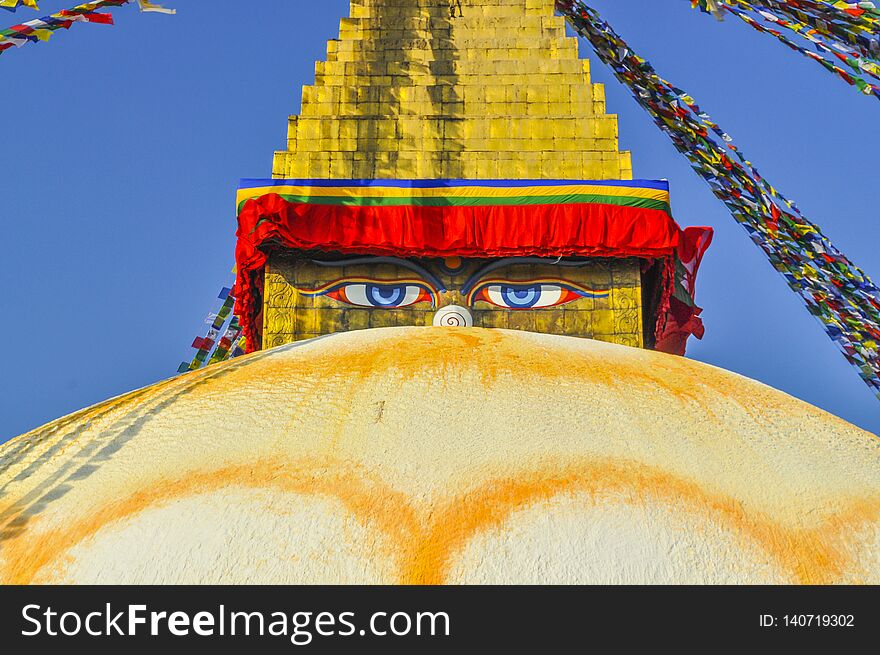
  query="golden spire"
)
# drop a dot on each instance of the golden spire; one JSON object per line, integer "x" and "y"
{"x": 474, "y": 89}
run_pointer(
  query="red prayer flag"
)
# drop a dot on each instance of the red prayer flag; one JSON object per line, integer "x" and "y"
{"x": 104, "y": 19}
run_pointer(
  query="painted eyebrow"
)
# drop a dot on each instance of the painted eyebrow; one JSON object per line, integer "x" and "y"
{"x": 474, "y": 279}
{"x": 395, "y": 261}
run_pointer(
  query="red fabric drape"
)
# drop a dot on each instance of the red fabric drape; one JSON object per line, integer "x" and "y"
{"x": 594, "y": 230}
{"x": 682, "y": 319}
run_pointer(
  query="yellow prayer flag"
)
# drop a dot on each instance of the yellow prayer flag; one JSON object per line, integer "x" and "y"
{"x": 146, "y": 5}
{"x": 13, "y": 4}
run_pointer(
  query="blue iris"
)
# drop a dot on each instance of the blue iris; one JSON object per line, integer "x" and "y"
{"x": 386, "y": 295}
{"x": 521, "y": 297}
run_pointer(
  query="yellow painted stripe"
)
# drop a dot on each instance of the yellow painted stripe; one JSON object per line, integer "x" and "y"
{"x": 455, "y": 192}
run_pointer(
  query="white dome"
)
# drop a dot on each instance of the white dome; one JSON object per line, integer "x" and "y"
{"x": 444, "y": 455}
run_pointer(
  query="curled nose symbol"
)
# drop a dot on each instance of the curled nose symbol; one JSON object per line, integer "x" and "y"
{"x": 453, "y": 316}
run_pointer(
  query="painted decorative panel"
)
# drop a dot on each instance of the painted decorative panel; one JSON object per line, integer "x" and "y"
{"x": 309, "y": 296}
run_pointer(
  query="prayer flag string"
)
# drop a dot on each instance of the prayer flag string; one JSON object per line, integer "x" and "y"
{"x": 843, "y": 33}
{"x": 218, "y": 344}
{"x": 834, "y": 290}
{"x": 145, "y": 5}
{"x": 41, "y": 29}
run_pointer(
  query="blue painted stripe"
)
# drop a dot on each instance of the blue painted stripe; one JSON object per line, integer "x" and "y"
{"x": 248, "y": 183}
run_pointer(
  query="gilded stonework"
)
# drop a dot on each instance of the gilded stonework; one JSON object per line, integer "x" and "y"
{"x": 476, "y": 89}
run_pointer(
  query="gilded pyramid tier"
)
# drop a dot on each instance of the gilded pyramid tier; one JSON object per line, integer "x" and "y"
{"x": 473, "y": 89}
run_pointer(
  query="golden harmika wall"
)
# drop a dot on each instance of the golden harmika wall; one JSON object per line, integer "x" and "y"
{"x": 610, "y": 308}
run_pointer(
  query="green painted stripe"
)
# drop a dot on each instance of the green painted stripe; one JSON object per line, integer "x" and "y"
{"x": 366, "y": 201}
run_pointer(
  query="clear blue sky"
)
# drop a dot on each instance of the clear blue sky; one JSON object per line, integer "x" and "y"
{"x": 123, "y": 146}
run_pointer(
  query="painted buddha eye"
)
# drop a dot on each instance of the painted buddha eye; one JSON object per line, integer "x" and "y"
{"x": 531, "y": 295}
{"x": 381, "y": 295}
{"x": 376, "y": 293}
{"x": 526, "y": 297}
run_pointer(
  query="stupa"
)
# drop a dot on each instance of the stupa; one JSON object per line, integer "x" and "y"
{"x": 452, "y": 165}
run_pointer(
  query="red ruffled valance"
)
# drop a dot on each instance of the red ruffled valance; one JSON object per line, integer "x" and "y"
{"x": 552, "y": 230}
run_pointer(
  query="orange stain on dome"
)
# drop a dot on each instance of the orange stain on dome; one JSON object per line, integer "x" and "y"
{"x": 809, "y": 556}
{"x": 491, "y": 354}
{"x": 424, "y": 539}
{"x": 369, "y": 501}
